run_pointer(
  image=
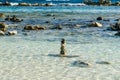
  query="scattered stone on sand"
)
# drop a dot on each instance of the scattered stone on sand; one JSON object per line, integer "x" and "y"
{"x": 115, "y": 27}
{"x": 2, "y": 33}
{"x": 3, "y": 27}
{"x": 2, "y": 15}
{"x": 81, "y": 64}
{"x": 34, "y": 27}
{"x": 14, "y": 32}
{"x": 95, "y": 24}
{"x": 103, "y": 62}
{"x": 100, "y": 18}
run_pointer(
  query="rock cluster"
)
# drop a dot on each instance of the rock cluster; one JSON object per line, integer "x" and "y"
{"x": 13, "y": 19}
{"x": 34, "y": 27}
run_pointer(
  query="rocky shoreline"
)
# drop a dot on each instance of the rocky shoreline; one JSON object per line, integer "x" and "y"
{"x": 62, "y": 4}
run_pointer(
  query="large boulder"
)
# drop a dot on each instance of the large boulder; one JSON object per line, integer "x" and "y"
{"x": 14, "y": 32}
{"x": 95, "y": 24}
{"x": 34, "y": 27}
{"x": 3, "y": 27}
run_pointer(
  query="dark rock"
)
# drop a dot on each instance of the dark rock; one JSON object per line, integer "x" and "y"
{"x": 100, "y": 18}
{"x": 118, "y": 33}
{"x": 117, "y": 19}
{"x": 103, "y": 62}
{"x": 6, "y": 4}
{"x": 47, "y": 22}
{"x": 14, "y": 32}
{"x": 13, "y": 19}
{"x": 115, "y": 27}
{"x": 81, "y": 64}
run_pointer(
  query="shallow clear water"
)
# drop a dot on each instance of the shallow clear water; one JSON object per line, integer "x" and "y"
{"x": 26, "y": 57}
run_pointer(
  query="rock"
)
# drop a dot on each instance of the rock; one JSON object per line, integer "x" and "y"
{"x": 6, "y": 4}
{"x": 36, "y": 27}
{"x": 2, "y": 15}
{"x": 118, "y": 33}
{"x": 3, "y": 27}
{"x": 81, "y": 64}
{"x": 29, "y": 27}
{"x": 24, "y": 4}
{"x": 35, "y": 4}
{"x": 116, "y": 26}
{"x": 103, "y": 62}
{"x": 2, "y": 33}
{"x": 95, "y": 24}
{"x": 14, "y": 32}
{"x": 58, "y": 27}
{"x": 50, "y": 14}
{"x": 13, "y": 19}
{"x": 117, "y": 19}
{"x": 100, "y": 18}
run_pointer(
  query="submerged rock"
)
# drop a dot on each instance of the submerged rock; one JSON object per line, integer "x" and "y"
{"x": 14, "y": 32}
{"x": 35, "y": 27}
{"x": 95, "y": 24}
{"x": 103, "y": 62}
{"x": 81, "y": 64}
{"x": 3, "y": 27}
{"x": 58, "y": 27}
